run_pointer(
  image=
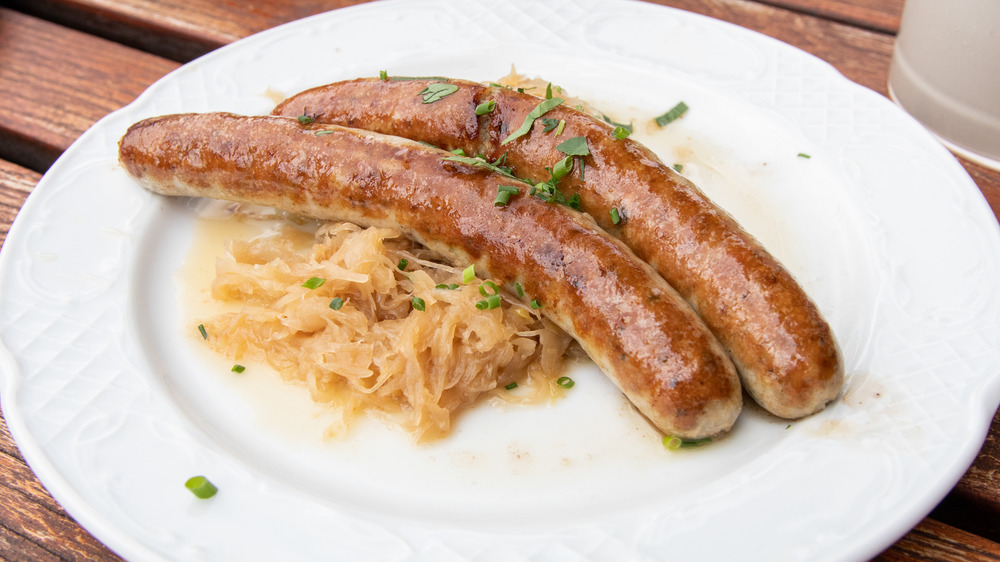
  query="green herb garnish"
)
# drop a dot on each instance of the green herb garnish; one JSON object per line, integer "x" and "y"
{"x": 674, "y": 113}
{"x": 504, "y": 193}
{"x": 627, "y": 127}
{"x": 201, "y": 330}
{"x": 314, "y": 283}
{"x": 620, "y": 133}
{"x": 238, "y": 369}
{"x": 576, "y": 146}
{"x": 549, "y": 124}
{"x": 201, "y": 487}
{"x": 539, "y": 110}
{"x": 565, "y": 382}
{"x": 672, "y": 442}
{"x": 436, "y": 91}
{"x": 403, "y": 262}
{"x": 468, "y": 274}
{"x": 418, "y": 303}
{"x": 483, "y": 163}
{"x": 511, "y": 386}
{"x": 519, "y": 289}
{"x": 383, "y": 75}
{"x": 616, "y": 217}
{"x": 486, "y": 107}
{"x": 804, "y": 155}
{"x": 336, "y": 303}
{"x": 535, "y": 304}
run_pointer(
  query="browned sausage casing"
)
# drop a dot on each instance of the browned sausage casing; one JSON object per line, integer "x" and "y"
{"x": 785, "y": 352}
{"x": 625, "y": 316}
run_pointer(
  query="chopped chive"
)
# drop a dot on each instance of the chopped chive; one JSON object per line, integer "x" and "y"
{"x": 565, "y": 382}
{"x": 403, "y": 262}
{"x": 325, "y": 132}
{"x": 201, "y": 329}
{"x": 468, "y": 274}
{"x": 314, "y": 283}
{"x": 481, "y": 305}
{"x": 437, "y": 91}
{"x": 529, "y": 120}
{"x": 493, "y": 286}
{"x": 672, "y": 442}
{"x": 679, "y": 167}
{"x": 238, "y": 369}
{"x": 626, "y": 126}
{"x": 493, "y": 301}
{"x": 548, "y": 91}
{"x": 486, "y": 107}
{"x": 201, "y": 487}
{"x": 562, "y": 125}
{"x": 535, "y": 304}
{"x": 504, "y": 193}
{"x": 383, "y": 75}
{"x": 511, "y": 386}
{"x": 620, "y": 133}
{"x": 616, "y": 217}
{"x": 453, "y": 286}
{"x": 418, "y": 303}
{"x": 562, "y": 168}
{"x": 519, "y": 289}
{"x": 306, "y": 119}
{"x": 674, "y": 113}
{"x": 336, "y": 303}
{"x": 804, "y": 155}
{"x": 458, "y": 151}
{"x": 582, "y": 166}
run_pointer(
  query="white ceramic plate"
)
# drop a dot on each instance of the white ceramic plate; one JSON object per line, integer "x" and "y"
{"x": 115, "y": 404}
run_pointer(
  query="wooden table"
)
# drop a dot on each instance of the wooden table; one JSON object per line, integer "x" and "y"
{"x": 66, "y": 63}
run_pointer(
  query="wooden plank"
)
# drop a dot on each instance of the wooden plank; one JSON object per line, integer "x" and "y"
{"x": 881, "y": 15}
{"x": 32, "y": 525}
{"x": 194, "y": 26}
{"x": 15, "y": 184}
{"x": 56, "y": 82}
{"x": 933, "y": 540}
{"x": 177, "y": 29}
{"x": 974, "y": 504}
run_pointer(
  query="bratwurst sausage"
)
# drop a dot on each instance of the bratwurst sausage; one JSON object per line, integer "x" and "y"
{"x": 784, "y": 350}
{"x": 625, "y": 316}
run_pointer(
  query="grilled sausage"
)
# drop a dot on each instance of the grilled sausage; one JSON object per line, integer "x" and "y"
{"x": 625, "y": 316}
{"x": 784, "y": 350}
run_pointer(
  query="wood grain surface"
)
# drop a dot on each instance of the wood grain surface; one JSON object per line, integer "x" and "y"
{"x": 64, "y": 64}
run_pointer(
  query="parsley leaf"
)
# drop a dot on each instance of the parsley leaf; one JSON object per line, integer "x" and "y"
{"x": 576, "y": 146}
{"x": 539, "y": 110}
{"x": 436, "y": 91}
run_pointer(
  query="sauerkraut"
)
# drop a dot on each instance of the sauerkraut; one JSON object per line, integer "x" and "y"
{"x": 371, "y": 322}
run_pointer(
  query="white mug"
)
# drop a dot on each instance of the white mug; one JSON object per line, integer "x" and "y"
{"x": 945, "y": 72}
